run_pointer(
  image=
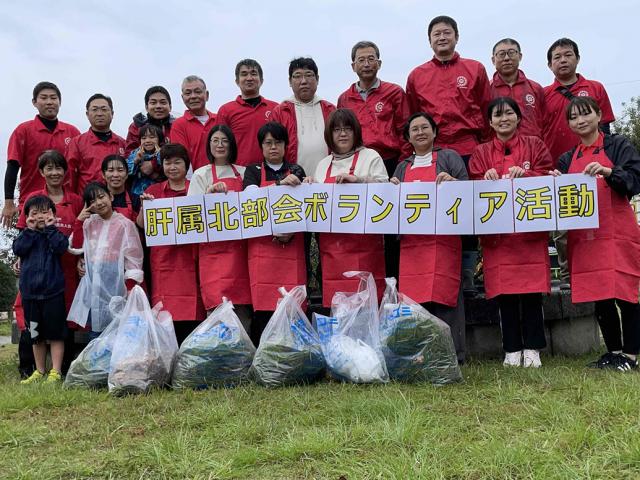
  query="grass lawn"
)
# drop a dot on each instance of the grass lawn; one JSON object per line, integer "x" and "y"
{"x": 5, "y": 328}
{"x": 562, "y": 421}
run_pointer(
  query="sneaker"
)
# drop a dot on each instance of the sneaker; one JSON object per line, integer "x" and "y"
{"x": 35, "y": 377}
{"x": 531, "y": 358}
{"x": 623, "y": 363}
{"x": 512, "y": 359}
{"x": 53, "y": 376}
{"x": 603, "y": 362}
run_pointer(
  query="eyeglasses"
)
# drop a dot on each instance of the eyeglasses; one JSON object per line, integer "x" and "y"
{"x": 343, "y": 130}
{"x": 272, "y": 143}
{"x": 502, "y": 54}
{"x": 297, "y": 77}
{"x": 217, "y": 141}
{"x": 420, "y": 128}
{"x": 370, "y": 60}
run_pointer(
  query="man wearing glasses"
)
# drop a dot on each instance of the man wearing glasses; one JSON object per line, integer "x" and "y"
{"x": 85, "y": 152}
{"x": 381, "y": 107}
{"x": 510, "y": 81}
{"x": 304, "y": 115}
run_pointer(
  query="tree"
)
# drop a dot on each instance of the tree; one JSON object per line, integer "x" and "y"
{"x": 8, "y": 288}
{"x": 629, "y": 122}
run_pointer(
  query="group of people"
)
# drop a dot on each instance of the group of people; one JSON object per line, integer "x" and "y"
{"x": 80, "y": 196}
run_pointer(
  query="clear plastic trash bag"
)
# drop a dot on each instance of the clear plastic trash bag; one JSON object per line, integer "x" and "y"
{"x": 350, "y": 338}
{"x": 289, "y": 352}
{"x": 145, "y": 346}
{"x": 218, "y": 353}
{"x": 417, "y": 345}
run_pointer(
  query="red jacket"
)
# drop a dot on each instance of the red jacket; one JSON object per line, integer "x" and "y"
{"x": 382, "y": 116}
{"x": 557, "y": 134}
{"x": 28, "y": 141}
{"x": 245, "y": 121}
{"x": 285, "y": 113}
{"x": 456, "y": 94}
{"x": 190, "y": 132}
{"x": 527, "y": 152}
{"x": 529, "y": 96}
{"x": 84, "y": 155}
{"x": 174, "y": 270}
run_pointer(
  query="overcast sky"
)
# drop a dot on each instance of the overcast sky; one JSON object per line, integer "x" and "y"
{"x": 120, "y": 48}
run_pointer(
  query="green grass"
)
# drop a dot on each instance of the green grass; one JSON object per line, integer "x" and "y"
{"x": 562, "y": 421}
{"x": 5, "y": 328}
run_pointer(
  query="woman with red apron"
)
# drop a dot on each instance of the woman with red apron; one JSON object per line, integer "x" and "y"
{"x": 605, "y": 262}
{"x": 173, "y": 267}
{"x": 53, "y": 167}
{"x": 278, "y": 260}
{"x": 349, "y": 162}
{"x": 222, "y": 266}
{"x": 516, "y": 265}
{"x": 430, "y": 265}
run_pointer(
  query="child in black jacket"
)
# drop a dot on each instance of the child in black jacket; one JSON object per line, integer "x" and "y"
{"x": 40, "y": 247}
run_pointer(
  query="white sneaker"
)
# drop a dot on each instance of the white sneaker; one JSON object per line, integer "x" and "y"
{"x": 512, "y": 359}
{"x": 531, "y": 358}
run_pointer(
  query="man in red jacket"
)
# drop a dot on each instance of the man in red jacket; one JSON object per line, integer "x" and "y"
{"x": 157, "y": 103}
{"x": 563, "y": 58}
{"x": 28, "y": 141}
{"x": 510, "y": 81}
{"x": 381, "y": 107}
{"x": 85, "y": 153}
{"x": 304, "y": 116}
{"x": 248, "y": 112}
{"x": 192, "y": 128}
{"x": 453, "y": 90}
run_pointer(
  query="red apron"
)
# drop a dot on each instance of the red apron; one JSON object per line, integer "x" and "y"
{"x": 343, "y": 252}
{"x": 604, "y": 262}
{"x": 174, "y": 279}
{"x": 430, "y": 264}
{"x": 273, "y": 265}
{"x": 127, "y": 211}
{"x": 223, "y": 265}
{"x": 516, "y": 262}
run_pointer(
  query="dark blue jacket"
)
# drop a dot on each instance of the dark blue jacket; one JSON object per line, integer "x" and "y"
{"x": 40, "y": 267}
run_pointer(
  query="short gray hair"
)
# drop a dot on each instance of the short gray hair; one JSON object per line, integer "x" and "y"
{"x": 193, "y": 78}
{"x": 364, "y": 44}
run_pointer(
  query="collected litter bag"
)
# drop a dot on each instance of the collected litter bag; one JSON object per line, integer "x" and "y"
{"x": 289, "y": 352}
{"x": 350, "y": 339}
{"x": 417, "y": 345}
{"x": 91, "y": 368}
{"x": 218, "y": 353}
{"x": 145, "y": 347}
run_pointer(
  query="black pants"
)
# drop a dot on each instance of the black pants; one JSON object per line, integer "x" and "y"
{"x": 26, "y": 360}
{"x": 627, "y": 340}
{"x": 258, "y": 324}
{"x": 184, "y": 328}
{"x": 522, "y": 322}
{"x": 391, "y": 242}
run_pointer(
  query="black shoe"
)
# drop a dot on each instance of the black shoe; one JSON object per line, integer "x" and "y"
{"x": 603, "y": 362}
{"x": 623, "y": 363}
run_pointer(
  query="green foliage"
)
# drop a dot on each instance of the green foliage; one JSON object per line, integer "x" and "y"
{"x": 629, "y": 122}
{"x": 8, "y": 287}
{"x": 560, "y": 421}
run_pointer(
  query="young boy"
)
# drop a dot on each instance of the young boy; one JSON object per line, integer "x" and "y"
{"x": 112, "y": 255}
{"x": 39, "y": 247}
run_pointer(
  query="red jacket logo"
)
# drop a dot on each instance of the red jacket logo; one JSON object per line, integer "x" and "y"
{"x": 530, "y": 100}
{"x": 67, "y": 140}
{"x": 267, "y": 114}
{"x": 526, "y": 165}
{"x": 121, "y": 151}
{"x": 583, "y": 93}
{"x": 462, "y": 81}
{"x": 379, "y": 107}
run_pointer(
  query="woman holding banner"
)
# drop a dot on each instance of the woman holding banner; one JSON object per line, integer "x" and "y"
{"x": 278, "y": 260}
{"x": 173, "y": 272}
{"x": 516, "y": 266}
{"x": 430, "y": 265}
{"x": 222, "y": 266}
{"x": 605, "y": 262}
{"x": 349, "y": 162}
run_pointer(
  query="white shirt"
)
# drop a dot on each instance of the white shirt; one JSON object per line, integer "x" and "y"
{"x": 369, "y": 168}
{"x": 203, "y": 177}
{"x": 310, "y": 125}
